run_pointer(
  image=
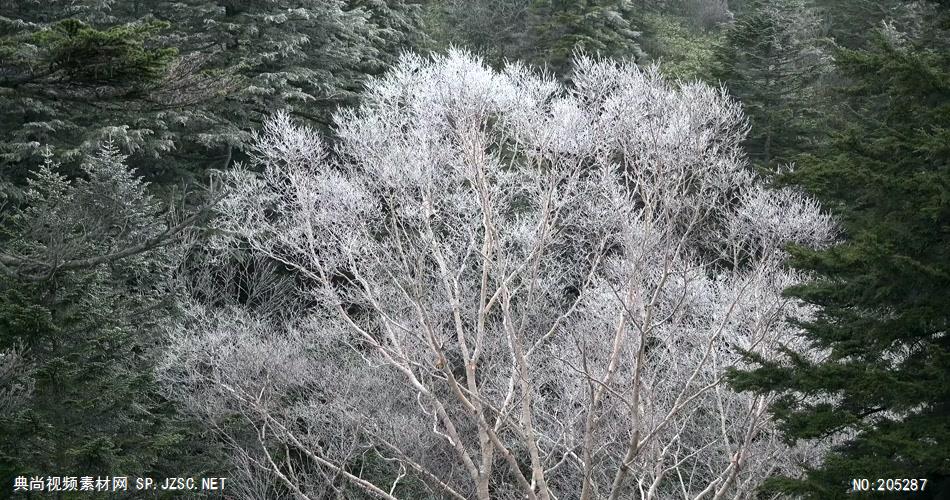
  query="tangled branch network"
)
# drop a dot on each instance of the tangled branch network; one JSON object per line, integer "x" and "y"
{"x": 496, "y": 285}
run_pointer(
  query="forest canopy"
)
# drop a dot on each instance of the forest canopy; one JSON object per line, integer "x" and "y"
{"x": 481, "y": 249}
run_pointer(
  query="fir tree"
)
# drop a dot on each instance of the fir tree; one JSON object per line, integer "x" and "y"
{"x": 181, "y": 85}
{"x": 683, "y": 51}
{"x": 307, "y": 56}
{"x": 558, "y": 28}
{"x": 852, "y": 23}
{"x": 770, "y": 60}
{"x": 87, "y": 332}
{"x": 68, "y": 84}
{"x": 881, "y": 379}
{"x": 544, "y": 33}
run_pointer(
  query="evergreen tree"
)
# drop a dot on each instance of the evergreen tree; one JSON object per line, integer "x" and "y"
{"x": 683, "y": 51}
{"x": 770, "y": 60}
{"x": 305, "y": 54}
{"x": 83, "y": 290}
{"x": 69, "y": 84}
{"x": 558, "y": 28}
{"x": 852, "y": 23}
{"x": 494, "y": 29}
{"x": 544, "y": 33}
{"x": 881, "y": 377}
{"x": 206, "y": 73}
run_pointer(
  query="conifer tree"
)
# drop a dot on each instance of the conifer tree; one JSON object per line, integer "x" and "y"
{"x": 558, "y": 28}
{"x": 769, "y": 60}
{"x": 852, "y": 23}
{"x": 181, "y": 84}
{"x": 69, "y": 84}
{"x": 544, "y": 33}
{"x": 83, "y": 289}
{"x": 683, "y": 51}
{"x": 881, "y": 385}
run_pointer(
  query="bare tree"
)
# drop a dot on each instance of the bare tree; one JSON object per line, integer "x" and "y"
{"x": 507, "y": 289}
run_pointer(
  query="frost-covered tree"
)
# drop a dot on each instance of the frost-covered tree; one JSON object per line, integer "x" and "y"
{"x": 500, "y": 287}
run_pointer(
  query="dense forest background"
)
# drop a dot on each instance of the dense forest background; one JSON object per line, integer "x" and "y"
{"x": 119, "y": 120}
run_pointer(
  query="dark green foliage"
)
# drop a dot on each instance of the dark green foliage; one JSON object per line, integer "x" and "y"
{"x": 853, "y": 23}
{"x": 557, "y": 28}
{"x": 770, "y": 60}
{"x": 884, "y": 306}
{"x": 70, "y": 83}
{"x": 89, "y": 334}
{"x": 544, "y": 33}
{"x": 87, "y": 56}
{"x": 94, "y": 406}
{"x": 181, "y": 85}
{"x": 289, "y": 53}
{"x": 683, "y": 52}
